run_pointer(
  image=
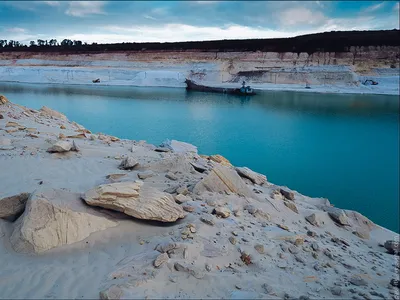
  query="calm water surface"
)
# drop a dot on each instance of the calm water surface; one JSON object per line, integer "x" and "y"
{"x": 342, "y": 147}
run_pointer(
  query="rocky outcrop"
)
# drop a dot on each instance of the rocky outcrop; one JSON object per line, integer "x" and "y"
{"x": 10, "y": 207}
{"x": 136, "y": 200}
{"x": 53, "y": 218}
{"x": 178, "y": 147}
{"x": 45, "y": 111}
{"x": 337, "y": 215}
{"x": 255, "y": 177}
{"x": 223, "y": 179}
{"x": 220, "y": 159}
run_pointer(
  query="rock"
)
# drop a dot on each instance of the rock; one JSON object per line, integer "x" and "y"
{"x": 328, "y": 253}
{"x": 199, "y": 167}
{"x": 208, "y": 267}
{"x": 393, "y": 247}
{"x": 251, "y": 209}
{"x": 115, "y": 177}
{"x": 293, "y": 250}
{"x": 259, "y": 248}
{"x": 267, "y": 288}
{"x": 299, "y": 258}
{"x": 276, "y": 194}
{"x": 75, "y": 147}
{"x": 76, "y": 136}
{"x": 315, "y": 219}
{"x": 223, "y": 179}
{"x": 182, "y": 199}
{"x": 179, "y": 147}
{"x": 166, "y": 246}
{"x": 128, "y": 163}
{"x": 171, "y": 176}
{"x": 362, "y": 234}
{"x": 3, "y": 100}
{"x": 220, "y": 159}
{"x": 395, "y": 283}
{"x": 232, "y": 240}
{"x": 60, "y": 146}
{"x": 136, "y": 200}
{"x": 171, "y": 190}
{"x": 182, "y": 190}
{"x": 287, "y": 194}
{"x": 188, "y": 208}
{"x": 358, "y": 281}
{"x": 337, "y": 215}
{"x": 222, "y": 212}
{"x": 52, "y": 113}
{"x": 12, "y": 124}
{"x": 183, "y": 267}
{"x": 113, "y": 293}
{"x": 53, "y": 218}
{"x": 255, "y": 177}
{"x": 11, "y": 207}
{"x": 1, "y": 117}
{"x": 299, "y": 242}
{"x": 161, "y": 259}
{"x": 311, "y": 233}
{"x": 208, "y": 219}
{"x": 315, "y": 246}
{"x": 284, "y": 227}
{"x": 291, "y": 206}
{"x": 62, "y": 127}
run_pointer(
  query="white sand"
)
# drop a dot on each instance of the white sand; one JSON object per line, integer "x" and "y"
{"x": 83, "y": 269}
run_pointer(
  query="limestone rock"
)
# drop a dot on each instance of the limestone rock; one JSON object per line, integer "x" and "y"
{"x": 208, "y": 219}
{"x": 259, "y": 248}
{"x": 136, "y": 200}
{"x": 145, "y": 174}
{"x": 161, "y": 259}
{"x": 315, "y": 219}
{"x": 220, "y": 159}
{"x": 223, "y": 179}
{"x": 179, "y": 147}
{"x": 362, "y": 234}
{"x": 337, "y": 215}
{"x": 291, "y": 206}
{"x": 166, "y": 246}
{"x": 12, "y": 124}
{"x": 222, "y": 212}
{"x": 199, "y": 167}
{"x": 52, "y": 113}
{"x": 3, "y": 100}
{"x": 128, "y": 163}
{"x": 182, "y": 190}
{"x": 287, "y": 194}
{"x": 255, "y": 177}
{"x": 10, "y": 207}
{"x": 53, "y": 218}
{"x": 60, "y": 146}
{"x": 188, "y": 208}
{"x": 182, "y": 198}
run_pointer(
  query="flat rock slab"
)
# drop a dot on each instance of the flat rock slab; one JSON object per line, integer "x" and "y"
{"x": 223, "y": 179}
{"x": 179, "y": 147}
{"x": 53, "y": 218}
{"x": 255, "y": 177}
{"x": 136, "y": 200}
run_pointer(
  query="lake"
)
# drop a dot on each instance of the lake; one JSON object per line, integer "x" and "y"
{"x": 342, "y": 147}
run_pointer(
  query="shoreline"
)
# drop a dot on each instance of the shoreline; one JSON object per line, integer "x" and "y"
{"x": 327, "y": 89}
{"x": 240, "y": 236}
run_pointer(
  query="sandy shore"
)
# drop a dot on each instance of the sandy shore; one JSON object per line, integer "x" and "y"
{"x": 222, "y": 232}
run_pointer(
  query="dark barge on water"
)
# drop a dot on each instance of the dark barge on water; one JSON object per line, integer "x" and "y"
{"x": 244, "y": 90}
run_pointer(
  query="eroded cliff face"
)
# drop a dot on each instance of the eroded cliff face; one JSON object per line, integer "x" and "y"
{"x": 171, "y": 68}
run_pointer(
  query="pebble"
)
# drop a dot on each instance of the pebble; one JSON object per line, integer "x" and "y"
{"x": 188, "y": 208}
{"x": 284, "y": 247}
{"x": 317, "y": 267}
{"x": 293, "y": 250}
{"x": 160, "y": 260}
{"x": 328, "y": 253}
{"x": 171, "y": 176}
{"x": 314, "y": 246}
{"x": 232, "y": 240}
{"x": 267, "y": 288}
{"x": 208, "y": 267}
{"x": 234, "y": 233}
{"x": 259, "y": 248}
{"x": 299, "y": 258}
{"x": 311, "y": 233}
{"x": 358, "y": 281}
{"x": 299, "y": 242}
{"x": 208, "y": 220}
{"x": 337, "y": 291}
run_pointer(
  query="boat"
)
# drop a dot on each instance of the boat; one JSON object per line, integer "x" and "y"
{"x": 244, "y": 90}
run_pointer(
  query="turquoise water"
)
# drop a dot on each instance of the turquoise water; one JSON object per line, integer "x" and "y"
{"x": 342, "y": 147}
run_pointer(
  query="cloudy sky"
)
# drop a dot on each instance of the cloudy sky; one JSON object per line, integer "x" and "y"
{"x": 165, "y": 21}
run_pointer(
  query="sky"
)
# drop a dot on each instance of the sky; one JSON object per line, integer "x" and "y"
{"x": 169, "y": 21}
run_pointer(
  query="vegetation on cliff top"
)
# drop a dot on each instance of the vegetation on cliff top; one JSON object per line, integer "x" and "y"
{"x": 334, "y": 41}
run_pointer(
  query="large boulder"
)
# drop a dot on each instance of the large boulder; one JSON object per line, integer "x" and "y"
{"x": 179, "y": 147}
{"x": 223, "y": 179}
{"x": 136, "y": 200}
{"x": 12, "y": 206}
{"x": 338, "y": 215}
{"x": 255, "y": 177}
{"x": 53, "y": 218}
{"x": 45, "y": 111}
{"x": 60, "y": 146}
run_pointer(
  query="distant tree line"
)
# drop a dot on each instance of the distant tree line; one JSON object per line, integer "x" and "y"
{"x": 334, "y": 41}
